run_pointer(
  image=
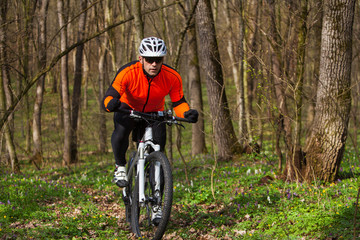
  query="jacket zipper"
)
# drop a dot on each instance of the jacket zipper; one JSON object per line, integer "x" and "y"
{"x": 147, "y": 99}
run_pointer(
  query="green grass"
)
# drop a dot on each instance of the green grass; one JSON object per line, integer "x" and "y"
{"x": 59, "y": 203}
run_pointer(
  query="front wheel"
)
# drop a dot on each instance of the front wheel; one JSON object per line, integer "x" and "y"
{"x": 141, "y": 222}
{"x": 127, "y": 191}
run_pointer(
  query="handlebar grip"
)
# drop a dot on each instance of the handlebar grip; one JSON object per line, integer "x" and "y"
{"x": 124, "y": 110}
{"x": 182, "y": 119}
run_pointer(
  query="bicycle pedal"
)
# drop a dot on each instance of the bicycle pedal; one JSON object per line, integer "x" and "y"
{"x": 126, "y": 200}
{"x": 121, "y": 184}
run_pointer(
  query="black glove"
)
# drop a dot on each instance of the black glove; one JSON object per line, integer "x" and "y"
{"x": 191, "y": 115}
{"x": 113, "y": 105}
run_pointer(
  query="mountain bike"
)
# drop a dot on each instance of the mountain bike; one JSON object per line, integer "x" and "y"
{"x": 150, "y": 184}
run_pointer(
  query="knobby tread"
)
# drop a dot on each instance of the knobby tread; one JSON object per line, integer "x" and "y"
{"x": 166, "y": 201}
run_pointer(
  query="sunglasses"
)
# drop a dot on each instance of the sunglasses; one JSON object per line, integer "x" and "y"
{"x": 151, "y": 60}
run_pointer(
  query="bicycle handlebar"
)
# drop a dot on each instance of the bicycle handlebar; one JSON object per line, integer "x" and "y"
{"x": 166, "y": 116}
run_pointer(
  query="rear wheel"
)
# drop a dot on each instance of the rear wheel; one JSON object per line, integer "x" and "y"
{"x": 141, "y": 223}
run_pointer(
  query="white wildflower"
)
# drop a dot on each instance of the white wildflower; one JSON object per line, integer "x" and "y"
{"x": 268, "y": 198}
{"x": 239, "y": 232}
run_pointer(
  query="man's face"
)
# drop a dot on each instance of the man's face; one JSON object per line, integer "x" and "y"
{"x": 151, "y": 65}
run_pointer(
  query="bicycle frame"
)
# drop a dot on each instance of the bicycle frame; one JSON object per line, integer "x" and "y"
{"x": 142, "y": 152}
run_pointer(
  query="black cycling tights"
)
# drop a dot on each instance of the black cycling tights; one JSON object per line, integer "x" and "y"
{"x": 120, "y": 138}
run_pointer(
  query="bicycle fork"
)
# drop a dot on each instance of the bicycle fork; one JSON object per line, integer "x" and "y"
{"x": 140, "y": 173}
{"x": 141, "y": 165}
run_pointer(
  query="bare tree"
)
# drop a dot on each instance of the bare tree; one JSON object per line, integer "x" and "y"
{"x": 225, "y": 137}
{"x": 326, "y": 144}
{"x": 292, "y": 161}
{"x": 76, "y": 101}
{"x": 15, "y": 167}
{"x": 109, "y": 19}
{"x": 237, "y": 65}
{"x": 230, "y": 48}
{"x": 198, "y": 145}
{"x": 42, "y": 51}
{"x": 25, "y": 25}
{"x": 249, "y": 25}
{"x": 102, "y": 64}
{"x": 139, "y": 24}
{"x": 65, "y": 84}
{"x": 279, "y": 84}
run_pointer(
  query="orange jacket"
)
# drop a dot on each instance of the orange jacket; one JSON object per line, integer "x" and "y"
{"x": 145, "y": 94}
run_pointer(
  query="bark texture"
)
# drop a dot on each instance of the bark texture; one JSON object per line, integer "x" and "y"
{"x": 36, "y": 127}
{"x": 198, "y": 129}
{"x": 325, "y": 146}
{"x": 76, "y": 95}
{"x": 225, "y": 138}
{"x": 15, "y": 167}
{"x": 65, "y": 85}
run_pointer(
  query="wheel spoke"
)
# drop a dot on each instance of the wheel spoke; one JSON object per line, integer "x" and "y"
{"x": 141, "y": 222}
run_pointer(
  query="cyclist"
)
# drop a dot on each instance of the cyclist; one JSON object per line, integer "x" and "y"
{"x": 142, "y": 86}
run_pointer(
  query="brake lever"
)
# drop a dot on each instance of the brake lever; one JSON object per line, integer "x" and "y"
{"x": 169, "y": 123}
{"x": 134, "y": 116}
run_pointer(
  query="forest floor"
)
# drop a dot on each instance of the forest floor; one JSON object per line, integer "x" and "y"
{"x": 247, "y": 201}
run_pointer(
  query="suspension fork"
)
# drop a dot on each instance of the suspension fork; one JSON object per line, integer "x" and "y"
{"x": 141, "y": 164}
{"x": 141, "y": 173}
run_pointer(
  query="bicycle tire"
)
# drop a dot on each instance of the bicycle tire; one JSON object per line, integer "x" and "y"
{"x": 140, "y": 215}
{"x": 131, "y": 173}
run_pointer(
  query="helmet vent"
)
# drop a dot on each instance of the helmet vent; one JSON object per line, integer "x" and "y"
{"x": 152, "y": 47}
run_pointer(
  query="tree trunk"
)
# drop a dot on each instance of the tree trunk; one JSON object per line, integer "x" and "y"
{"x": 251, "y": 67}
{"x": 236, "y": 64}
{"x": 15, "y": 167}
{"x": 76, "y": 97}
{"x": 27, "y": 5}
{"x": 101, "y": 82}
{"x": 65, "y": 85}
{"x": 37, "y": 150}
{"x": 103, "y": 50}
{"x": 314, "y": 55}
{"x": 196, "y": 102}
{"x": 277, "y": 80}
{"x": 166, "y": 26}
{"x": 209, "y": 57}
{"x": 139, "y": 24}
{"x": 6, "y": 79}
{"x": 293, "y": 162}
{"x": 86, "y": 81}
{"x": 193, "y": 80}
{"x": 326, "y": 144}
{"x": 165, "y": 32}
{"x": 109, "y": 18}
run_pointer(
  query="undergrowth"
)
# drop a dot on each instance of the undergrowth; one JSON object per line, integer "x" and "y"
{"x": 249, "y": 202}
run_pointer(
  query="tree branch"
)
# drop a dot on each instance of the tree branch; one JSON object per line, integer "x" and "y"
{"x": 53, "y": 62}
{"x": 182, "y": 35}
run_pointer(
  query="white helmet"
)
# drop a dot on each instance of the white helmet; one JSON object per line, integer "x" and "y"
{"x": 152, "y": 47}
